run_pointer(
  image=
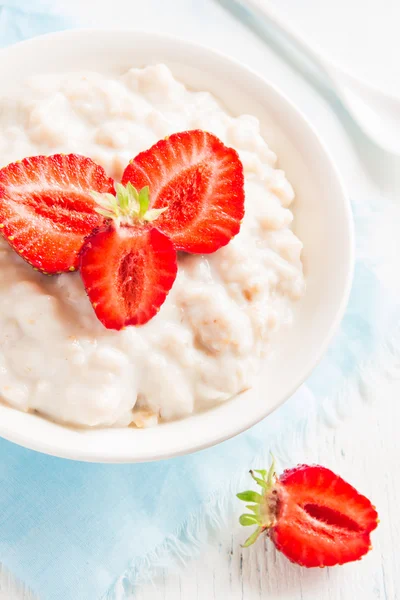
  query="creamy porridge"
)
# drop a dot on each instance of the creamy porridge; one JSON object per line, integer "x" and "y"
{"x": 223, "y": 310}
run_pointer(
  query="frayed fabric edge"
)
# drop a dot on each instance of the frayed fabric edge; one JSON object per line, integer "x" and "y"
{"x": 378, "y": 373}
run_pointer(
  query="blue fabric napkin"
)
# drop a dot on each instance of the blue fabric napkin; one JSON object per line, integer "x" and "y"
{"x": 72, "y": 530}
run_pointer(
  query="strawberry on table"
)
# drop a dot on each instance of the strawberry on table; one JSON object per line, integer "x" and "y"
{"x": 127, "y": 266}
{"x": 314, "y": 517}
{"x": 46, "y": 209}
{"x": 200, "y": 181}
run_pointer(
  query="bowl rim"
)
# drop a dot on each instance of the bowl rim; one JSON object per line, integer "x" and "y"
{"x": 90, "y": 455}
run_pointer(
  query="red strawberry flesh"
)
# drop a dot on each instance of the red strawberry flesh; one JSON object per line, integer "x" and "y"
{"x": 127, "y": 272}
{"x": 46, "y": 209}
{"x": 200, "y": 181}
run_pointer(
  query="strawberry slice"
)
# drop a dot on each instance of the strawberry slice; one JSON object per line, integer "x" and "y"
{"x": 313, "y": 516}
{"x": 46, "y": 209}
{"x": 200, "y": 181}
{"x": 128, "y": 266}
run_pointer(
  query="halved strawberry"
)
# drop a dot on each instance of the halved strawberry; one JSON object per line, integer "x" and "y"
{"x": 312, "y": 515}
{"x": 46, "y": 209}
{"x": 128, "y": 266}
{"x": 200, "y": 181}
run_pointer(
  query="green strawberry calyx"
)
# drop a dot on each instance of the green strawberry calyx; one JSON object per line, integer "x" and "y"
{"x": 264, "y": 507}
{"x": 127, "y": 206}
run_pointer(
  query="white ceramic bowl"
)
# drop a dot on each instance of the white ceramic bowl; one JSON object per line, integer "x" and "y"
{"x": 323, "y": 222}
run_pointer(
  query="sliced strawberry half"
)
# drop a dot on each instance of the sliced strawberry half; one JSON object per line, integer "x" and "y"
{"x": 128, "y": 266}
{"x": 46, "y": 208}
{"x": 127, "y": 272}
{"x": 312, "y": 515}
{"x": 200, "y": 182}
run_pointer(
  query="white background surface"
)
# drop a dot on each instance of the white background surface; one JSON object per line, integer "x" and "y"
{"x": 363, "y": 447}
{"x": 362, "y": 35}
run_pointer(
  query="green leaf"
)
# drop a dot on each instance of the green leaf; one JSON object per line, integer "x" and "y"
{"x": 104, "y": 200}
{"x": 105, "y": 213}
{"x": 247, "y": 520}
{"x": 107, "y": 205}
{"x": 250, "y": 496}
{"x": 144, "y": 200}
{"x": 133, "y": 205}
{"x": 261, "y": 472}
{"x": 253, "y": 538}
{"x": 260, "y": 482}
{"x": 255, "y": 508}
{"x": 96, "y": 195}
{"x": 132, "y": 191}
{"x": 123, "y": 198}
{"x": 153, "y": 214}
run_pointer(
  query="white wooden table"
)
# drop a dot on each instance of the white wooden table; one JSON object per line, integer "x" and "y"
{"x": 365, "y": 448}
